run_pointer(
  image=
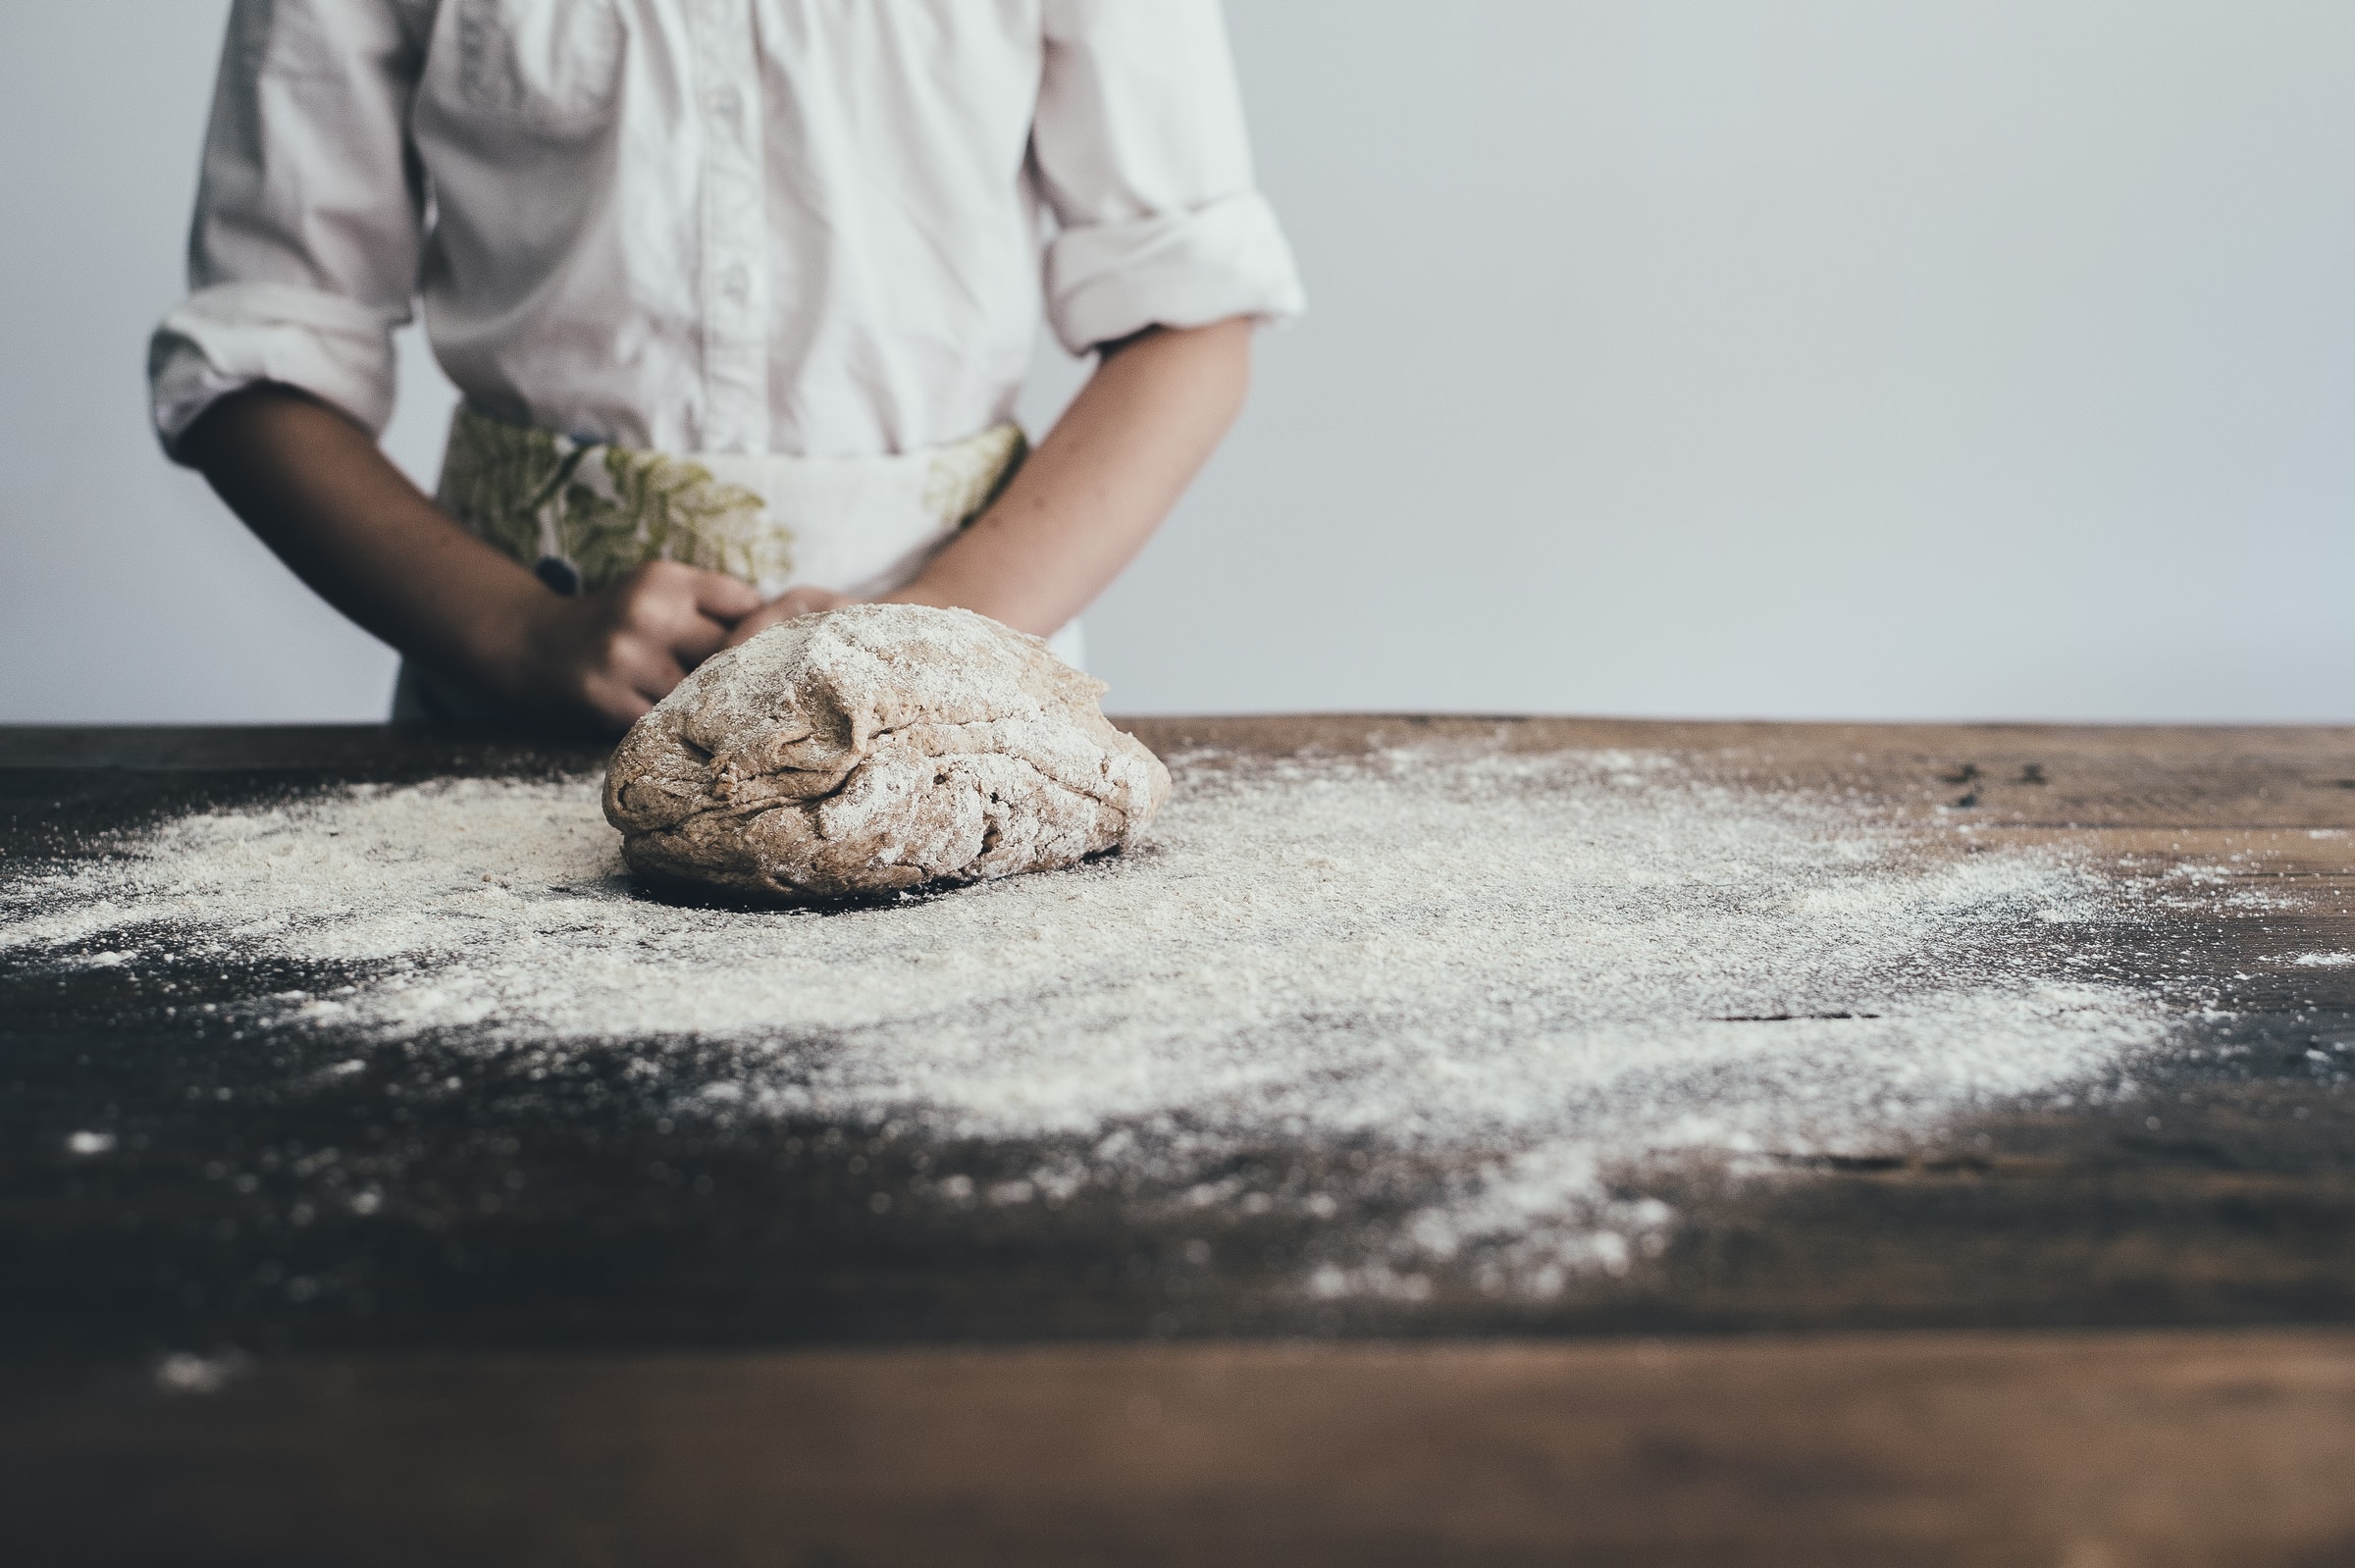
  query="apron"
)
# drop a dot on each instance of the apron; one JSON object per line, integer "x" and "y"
{"x": 584, "y": 514}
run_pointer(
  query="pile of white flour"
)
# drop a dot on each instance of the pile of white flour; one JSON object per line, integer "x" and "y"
{"x": 1544, "y": 972}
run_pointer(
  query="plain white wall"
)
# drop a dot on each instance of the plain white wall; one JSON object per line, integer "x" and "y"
{"x": 1790, "y": 358}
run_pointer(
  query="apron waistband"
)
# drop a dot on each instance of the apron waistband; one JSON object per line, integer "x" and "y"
{"x": 582, "y": 514}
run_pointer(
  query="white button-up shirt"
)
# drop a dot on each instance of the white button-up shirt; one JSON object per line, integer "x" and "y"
{"x": 801, "y": 227}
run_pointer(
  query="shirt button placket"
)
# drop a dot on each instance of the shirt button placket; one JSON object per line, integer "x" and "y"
{"x": 734, "y": 229}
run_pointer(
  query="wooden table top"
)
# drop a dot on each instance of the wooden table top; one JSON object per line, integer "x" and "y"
{"x": 2070, "y": 1337}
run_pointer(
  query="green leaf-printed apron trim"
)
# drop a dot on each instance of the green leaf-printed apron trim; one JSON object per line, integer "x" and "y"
{"x": 603, "y": 510}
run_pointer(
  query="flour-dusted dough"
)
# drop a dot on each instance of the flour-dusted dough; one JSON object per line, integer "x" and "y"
{"x": 872, "y": 748}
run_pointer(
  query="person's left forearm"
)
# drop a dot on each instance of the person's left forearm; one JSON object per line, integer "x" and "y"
{"x": 1091, "y": 495}
{"x": 1099, "y": 484}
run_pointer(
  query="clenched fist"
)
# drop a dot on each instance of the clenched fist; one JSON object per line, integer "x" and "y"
{"x": 610, "y": 655}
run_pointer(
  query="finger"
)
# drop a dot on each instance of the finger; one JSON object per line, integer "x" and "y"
{"x": 667, "y": 609}
{"x": 696, "y": 638}
{"x": 616, "y": 704}
{"x": 610, "y": 698}
{"x": 724, "y": 598}
{"x": 646, "y": 668}
{"x": 755, "y": 624}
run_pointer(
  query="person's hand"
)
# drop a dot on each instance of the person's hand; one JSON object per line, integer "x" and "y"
{"x": 610, "y": 655}
{"x": 784, "y": 607}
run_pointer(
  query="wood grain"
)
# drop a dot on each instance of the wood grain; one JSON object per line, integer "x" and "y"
{"x": 2224, "y": 1193}
{"x": 2112, "y": 1451}
{"x": 744, "y": 1362}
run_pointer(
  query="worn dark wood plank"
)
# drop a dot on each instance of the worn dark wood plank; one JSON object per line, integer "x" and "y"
{"x": 421, "y": 1405}
{"x": 2108, "y": 1452}
{"x": 2238, "y": 1208}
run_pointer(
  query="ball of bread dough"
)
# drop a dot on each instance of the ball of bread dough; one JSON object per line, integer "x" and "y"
{"x": 875, "y": 747}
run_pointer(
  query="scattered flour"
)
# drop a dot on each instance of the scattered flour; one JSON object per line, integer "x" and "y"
{"x": 182, "y": 1371}
{"x": 1537, "y": 972}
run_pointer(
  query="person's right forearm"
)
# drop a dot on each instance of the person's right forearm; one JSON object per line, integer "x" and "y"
{"x": 318, "y": 491}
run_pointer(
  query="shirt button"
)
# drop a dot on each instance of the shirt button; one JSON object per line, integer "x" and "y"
{"x": 727, "y": 103}
{"x": 737, "y": 284}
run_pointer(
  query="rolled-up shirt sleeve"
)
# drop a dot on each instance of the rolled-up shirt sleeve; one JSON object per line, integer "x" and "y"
{"x": 303, "y": 254}
{"x": 1141, "y": 153}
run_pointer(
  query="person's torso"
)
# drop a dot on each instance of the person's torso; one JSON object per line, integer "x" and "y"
{"x": 799, "y": 226}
